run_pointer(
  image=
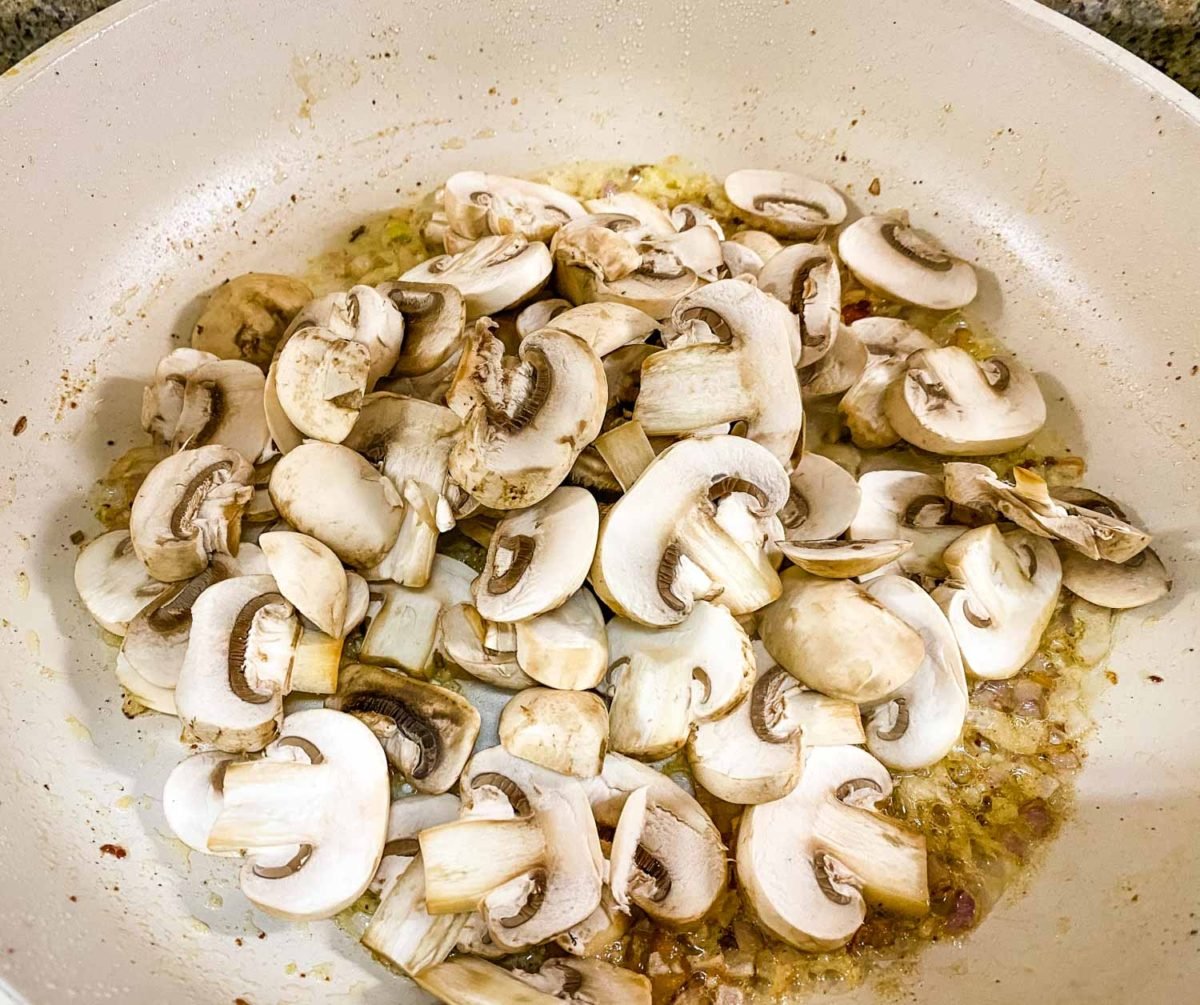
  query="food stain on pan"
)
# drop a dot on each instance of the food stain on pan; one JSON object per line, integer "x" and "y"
{"x": 318, "y": 77}
{"x": 78, "y": 730}
{"x": 72, "y": 387}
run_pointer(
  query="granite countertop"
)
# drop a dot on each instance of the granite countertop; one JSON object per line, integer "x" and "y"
{"x": 1165, "y": 33}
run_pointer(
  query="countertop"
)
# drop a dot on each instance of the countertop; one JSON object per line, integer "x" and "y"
{"x": 1165, "y": 33}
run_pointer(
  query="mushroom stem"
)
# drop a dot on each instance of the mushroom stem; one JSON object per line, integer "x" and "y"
{"x": 749, "y": 580}
{"x": 468, "y": 859}
{"x": 626, "y": 450}
{"x": 316, "y": 661}
{"x": 411, "y": 558}
{"x": 402, "y": 930}
{"x": 693, "y": 390}
{"x": 824, "y": 721}
{"x": 268, "y": 804}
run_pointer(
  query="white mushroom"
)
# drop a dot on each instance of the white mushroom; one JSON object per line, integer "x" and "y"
{"x": 654, "y": 221}
{"x": 319, "y": 381}
{"x": 788, "y": 707}
{"x": 567, "y": 647}
{"x": 822, "y": 502}
{"x": 604, "y": 926}
{"x": 323, "y": 785}
{"x": 909, "y": 506}
{"x": 538, "y": 315}
{"x": 948, "y": 402}
{"x": 363, "y": 315}
{"x": 223, "y": 403}
{"x": 842, "y": 559}
{"x": 1000, "y": 598}
{"x": 486, "y": 650}
{"x": 606, "y": 327}
{"x": 1140, "y": 580}
{"x": 565, "y": 731}
{"x": 838, "y": 370}
{"x": 888, "y": 342}
{"x": 310, "y": 576}
{"x": 763, "y": 245}
{"x": 434, "y": 315}
{"x": 492, "y": 274}
{"x": 246, "y": 316}
{"x": 906, "y": 264}
{"x": 478, "y": 204}
{"x": 688, "y": 215}
{"x": 141, "y": 692}
{"x": 787, "y": 203}
{"x": 162, "y": 399}
{"x": 112, "y": 582}
{"x": 193, "y": 797}
{"x": 809, "y": 863}
{"x": 466, "y": 980}
{"x": 805, "y": 277}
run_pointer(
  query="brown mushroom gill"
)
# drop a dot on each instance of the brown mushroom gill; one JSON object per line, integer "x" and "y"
{"x": 996, "y": 372}
{"x": 172, "y": 611}
{"x": 821, "y": 872}
{"x": 239, "y": 642}
{"x": 522, "y": 547}
{"x": 767, "y": 698}
{"x": 533, "y": 903}
{"x": 716, "y": 324}
{"x": 505, "y": 785}
{"x": 654, "y": 871}
{"x": 529, "y": 406}
{"x": 289, "y": 868}
{"x": 804, "y": 289}
{"x": 183, "y": 516}
{"x": 726, "y": 485}
{"x": 903, "y": 240}
{"x": 926, "y": 511}
{"x": 214, "y": 406}
{"x": 853, "y": 785}
{"x": 307, "y": 747}
{"x": 900, "y": 726}
{"x": 406, "y": 847}
{"x": 795, "y": 511}
{"x": 773, "y": 203}
{"x": 412, "y": 726}
{"x": 665, "y": 577}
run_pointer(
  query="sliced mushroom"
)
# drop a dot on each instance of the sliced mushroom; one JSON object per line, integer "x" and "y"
{"x": 1138, "y": 581}
{"x": 604, "y": 926}
{"x": 331, "y": 493}
{"x": 606, "y": 327}
{"x": 739, "y": 261}
{"x": 838, "y": 370}
{"x": 819, "y": 720}
{"x": 822, "y": 502}
{"x": 762, "y": 244}
{"x": 888, "y": 342}
{"x": 923, "y": 720}
{"x": 363, "y": 315}
{"x": 661, "y": 547}
{"x": 141, "y": 692}
{"x": 189, "y": 509}
{"x": 403, "y": 932}
{"x": 193, "y": 797}
{"x": 842, "y": 559}
{"x": 909, "y": 506}
{"x": 948, "y": 402}
{"x": 653, "y": 220}
{"x": 538, "y": 557}
{"x": 431, "y": 386}
{"x": 319, "y": 381}
{"x": 162, "y": 399}
{"x": 809, "y": 863}
{"x": 744, "y": 376}
{"x": 112, "y": 582}
{"x": 492, "y": 274}
{"x": 223, "y": 403}
{"x": 832, "y": 636}
{"x": 565, "y": 648}
{"x": 688, "y": 216}
{"x": 1000, "y": 598}
{"x": 805, "y": 277}
{"x": 434, "y": 315}
{"x": 524, "y": 422}
{"x": 486, "y": 650}
{"x": 786, "y": 203}
{"x": 469, "y": 981}
{"x": 478, "y": 205}
{"x": 246, "y": 316}
{"x": 626, "y": 450}
{"x": 408, "y": 816}
{"x": 565, "y": 731}
{"x": 539, "y": 314}
{"x": 595, "y": 248}
{"x": 696, "y": 250}
{"x": 427, "y": 731}
{"x": 323, "y": 785}
{"x": 310, "y": 576}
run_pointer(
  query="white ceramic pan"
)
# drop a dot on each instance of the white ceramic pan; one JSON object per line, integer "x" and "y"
{"x": 163, "y": 146}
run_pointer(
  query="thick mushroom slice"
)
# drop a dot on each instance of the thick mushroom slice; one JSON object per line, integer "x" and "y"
{"x": 832, "y": 636}
{"x": 331, "y": 493}
{"x": 888, "y": 342}
{"x": 319, "y": 381}
{"x": 842, "y": 559}
{"x": 189, "y": 509}
{"x": 466, "y": 980}
{"x": 565, "y": 648}
{"x": 1096, "y": 533}
{"x": 434, "y": 315}
{"x": 822, "y": 502}
{"x": 487, "y": 650}
{"x": 565, "y": 731}
{"x": 909, "y": 506}
{"x": 238, "y": 665}
{"x": 362, "y": 315}
{"x": 744, "y": 375}
{"x": 112, "y": 582}
{"x": 661, "y": 546}
{"x": 786, "y": 203}
{"x": 809, "y": 863}
{"x": 193, "y": 797}
{"x": 789, "y": 709}
{"x": 524, "y": 420}
{"x": 674, "y": 865}
{"x": 478, "y": 205}
{"x": 492, "y": 274}
{"x": 310, "y": 576}
{"x": 162, "y": 399}
{"x": 805, "y": 277}
{"x": 906, "y": 264}
{"x": 223, "y": 403}
{"x": 948, "y": 402}
{"x": 1000, "y": 597}
{"x": 427, "y": 731}
{"x": 663, "y": 679}
{"x": 922, "y": 720}
{"x": 538, "y": 557}
{"x": 246, "y": 317}
{"x": 1136, "y": 582}
{"x": 606, "y": 327}
{"x": 323, "y": 785}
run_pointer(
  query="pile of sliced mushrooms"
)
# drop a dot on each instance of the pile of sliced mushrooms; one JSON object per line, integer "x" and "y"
{"x": 610, "y": 397}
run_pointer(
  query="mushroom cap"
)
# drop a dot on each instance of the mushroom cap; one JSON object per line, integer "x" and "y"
{"x": 162, "y": 399}
{"x": 605, "y": 326}
{"x": 1136, "y": 582}
{"x": 765, "y": 246}
{"x": 192, "y": 799}
{"x": 745, "y": 375}
{"x": 787, "y": 203}
{"x": 310, "y": 576}
{"x": 319, "y": 382}
{"x": 188, "y": 509}
{"x": 822, "y": 502}
{"x": 537, "y": 315}
{"x": 478, "y": 204}
{"x": 223, "y": 403}
{"x": 739, "y": 261}
{"x": 246, "y": 317}
{"x": 464, "y": 641}
{"x": 565, "y": 648}
{"x": 141, "y": 691}
{"x": 838, "y": 370}
{"x": 654, "y": 221}
{"x": 910, "y": 506}
{"x": 905, "y": 264}
{"x": 492, "y": 274}
{"x": 805, "y": 277}
{"x": 363, "y": 315}
{"x": 565, "y": 731}
{"x": 538, "y": 557}
{"x": 948, "y": 402}
{"x": 836, "y": 559}
{"x": 112, "y": 582}
{"x": 434, "y": 317}
{"x": 642, "y": 567}
{"x": 924, "y": 718}
{"x": 888, "y": 342}
{"x": 331, "y": 493}
{"x": 1001, "y": 597}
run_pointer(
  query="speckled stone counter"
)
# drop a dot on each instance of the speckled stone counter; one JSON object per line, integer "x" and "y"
{"x": 1165, "y": 33}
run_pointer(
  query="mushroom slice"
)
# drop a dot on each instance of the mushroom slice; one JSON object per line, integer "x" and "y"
{"x": 903, "y": 263}
{"x": 744, "y": 376}
{"x": 671, "y": 862}
{"x": 822, "y": 502}
{"x": 140, "y": 693}
{"x": 331, "y": 493}
{"x": 478, "y": 205}
{"x": 466, "y": 980}
{"x": 246, "y": 317}
{"x": 661, "y": 546}
{"x": 689, "y": 216}
{"x": 1000, "y": 598}
{"x": 112, "y": 582}
{"x": 1098, "y": 533}
{"x": 538, "y": 315}
{"x": 1138, "y": 581}
{"x": 492, "y": 274}
{"x": 408, "y": 816}
{"x": 606, "y": 327}
{"x": 598, "y": 247}
{"x": 323, "y": 785}
{"x": 838, "y": 852}
{"x": 604, "y": 926}
{"x": 223, "y": 403}
{"x": 842, "y": 559}
{"x": 310, "y": 576}
{"x": 888, "y": 342}
{"x": 189, "y": 509}
{"x": 654, "y": 221}
{"x": 162, "y": 400}
{"x": 789, "y": 709}
{"x": 427, "y": 731}
{"x": 525, "y": 422}
{"x": 403, "y": 932}
{"x": 434, "y": 315}
{"x": 948, "y": 402}
{"x": 805, "y": 277}
{"x": 832, "y": 636}
{"x": 483, "y": 649}
{"x": 789, "y": 204}
{"x": 238, "y": 665}
{"x": 565, "y": 731}
{"x": 363, "y": 315}
{"x": 920, "y": 723}
{"x": 739, "y": 261}
{"x": 836, "y": 371}
{"x": 654, "y": 288}
{"x": 910, "y": 506}
{"x": 626, "y": 450}
{"x": 696, "y": 250}
{"x": 538, "y": 557}
{"x": 762, "y": 244}
{"x": 319, "y": 382}
{"x": 431, "y": 386}
{"x": 664, "y": 679}
{"x": 193, "y": 797}
{"x": 565, "y": 648}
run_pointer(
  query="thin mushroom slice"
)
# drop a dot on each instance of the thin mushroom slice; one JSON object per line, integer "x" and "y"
{"x": 492, "y": 274}
{"x": 696, "y": 250}
{"x": 596, "y": 248}
{"x": 842, "y": 559}
{"x": 310, "y": 576}
{"x": 362, "y": 315}
{"x": 838, "y": 370}
{"x": 565, "y": 731}
{"x": 434, "y": 318}
{"x": 765, "y": 246}
{"x": 1136, "y": 582}
{"x": 427, "y": 731}
{"x": 193, "y": 797}
{"x": 739, "y": 261}
{"x": 565, "y": 648}
{"x": 822, "y": 502}
{"x": 906, "y": 264}
{"x": 910, "y": 506}
{"x": 141, "y": 694}
{"x": 786, "y": 203}
{"x": 113, "y": 582}
{"x": 246, "y": 316}
{"x": 604, "y": 926}
{"x": 484, "y": 650}
{"x": 223, "y": 403}
{"x": 478, "y": 205}
{"x": 786, "y": 709}
{"x": 466, "y": 980}
{"x": 688, "y": 216}
{"x": 404, "y": 933}
{"x": 319, "y": 382}
{"x": 162, "y": 399}
{"x": 805, "y": 277}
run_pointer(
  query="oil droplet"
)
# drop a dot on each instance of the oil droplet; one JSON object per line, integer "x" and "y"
{"x": 22, "y": 584}
{"x": 33, "y": 643}
{"x": 123, "y": 803}
{"x": 78, "y": 729}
